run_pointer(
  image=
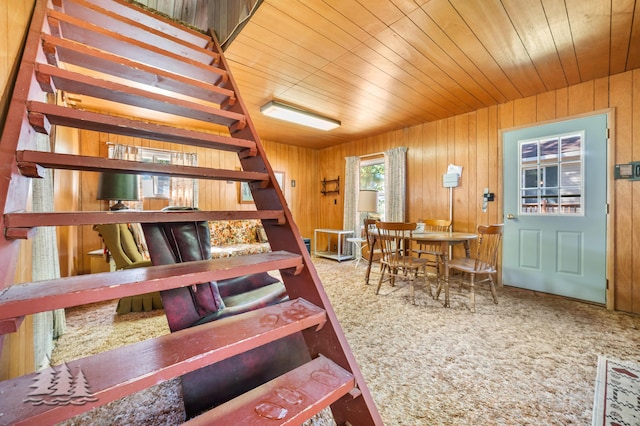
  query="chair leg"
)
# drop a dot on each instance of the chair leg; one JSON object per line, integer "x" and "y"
{"x": 438, "y": 263}
{"x": 384, "y": 267}
{"x": 493, "y": 290}
{"x": 412, "y": 291}
{"x": 472, "y": 294}
{"x": 426, "y": 280}
{"x": 438, "y": 289}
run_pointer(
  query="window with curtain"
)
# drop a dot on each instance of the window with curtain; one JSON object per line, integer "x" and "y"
{"x": 179, "y": 191}
{"x": 384, "y": 173}
{"x": 372, "y": 177}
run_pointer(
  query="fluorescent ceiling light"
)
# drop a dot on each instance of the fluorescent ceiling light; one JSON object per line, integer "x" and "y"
{"x": 288, "y": 113}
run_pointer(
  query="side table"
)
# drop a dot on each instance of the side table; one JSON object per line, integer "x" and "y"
{"x": 358, "y": 244}
{"x": 335, "y": 255}
{"x": 98, "y": 262}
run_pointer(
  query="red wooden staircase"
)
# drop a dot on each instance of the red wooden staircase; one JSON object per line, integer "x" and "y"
{"x": 110, "y": 50}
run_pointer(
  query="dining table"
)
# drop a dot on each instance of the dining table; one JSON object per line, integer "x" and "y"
{"x": 444, "y": 239}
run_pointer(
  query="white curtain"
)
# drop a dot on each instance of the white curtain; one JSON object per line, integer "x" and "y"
{"x": 184, "y": 191}
{"x": 351, "y": 221}
{"x": 395, "y": 181}
{"x": 45, "y": 264}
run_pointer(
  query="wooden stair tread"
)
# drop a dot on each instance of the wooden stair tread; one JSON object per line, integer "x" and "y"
{"x": 112, "y": 42}
{"x": 96, "y": 15}
{"x": 51, "y": 78}
{"x": 68, "y": 117}
{"x": 74, "y": 53}
{"x": 96, "y": 48}
{"x": 26, "y": 160}
{"x": 29, "y": 220}
{"x": 128, "y": 369}
{"x": 40, "y": 296}
{"x": 153, "y": 20}
{"x": 286, "y": 400}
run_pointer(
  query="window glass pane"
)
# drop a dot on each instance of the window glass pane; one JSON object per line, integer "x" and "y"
{"x": 372, "y": 177}
{"x": 551, "y": 175}
{"x": 571, "y": 146}
{"x": 529, "y": 152}
{"x": 571, "y": 174}
{"x": 570, "y": 200}
{"x": 530, "y": 178}
{"x": 549, "y": 150}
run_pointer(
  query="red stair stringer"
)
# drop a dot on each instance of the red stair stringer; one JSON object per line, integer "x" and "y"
{"x": 60, "y": 33}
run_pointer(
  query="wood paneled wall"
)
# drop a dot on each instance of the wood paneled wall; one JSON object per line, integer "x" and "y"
{"x": 15, "y": 15}
{"x": 17, "y": 352}
{"x": 16, "y": 357}
{"x": 473, "y": 141}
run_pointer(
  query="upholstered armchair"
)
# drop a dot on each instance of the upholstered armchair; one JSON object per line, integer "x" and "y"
{"x": 121, "y": 243}
{"x": 125, "y": 244}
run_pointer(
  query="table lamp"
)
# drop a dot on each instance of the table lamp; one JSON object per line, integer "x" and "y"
{"x": 119, "y": 187}
{"x": 368, "y": 201}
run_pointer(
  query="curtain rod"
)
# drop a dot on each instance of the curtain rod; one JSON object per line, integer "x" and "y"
{"x": 152, "y": 149}
{"x": 375, "y": 154}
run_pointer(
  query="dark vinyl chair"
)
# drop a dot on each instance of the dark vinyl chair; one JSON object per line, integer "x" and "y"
{"x": 193, "y": 305}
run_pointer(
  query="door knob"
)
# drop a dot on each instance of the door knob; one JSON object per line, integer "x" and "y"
{"x": 510, "y": 216}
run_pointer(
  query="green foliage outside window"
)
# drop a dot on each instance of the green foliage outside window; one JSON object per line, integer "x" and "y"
{"x": 372, "y": 177}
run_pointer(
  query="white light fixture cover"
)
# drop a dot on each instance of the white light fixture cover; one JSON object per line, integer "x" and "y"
{"x": 294, "y": 115}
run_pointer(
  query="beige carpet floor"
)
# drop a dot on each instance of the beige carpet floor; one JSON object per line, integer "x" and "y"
{"x": 530, "y": 360}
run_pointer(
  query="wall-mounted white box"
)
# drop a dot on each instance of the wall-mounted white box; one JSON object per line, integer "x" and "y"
{"x": 450, "y": 180}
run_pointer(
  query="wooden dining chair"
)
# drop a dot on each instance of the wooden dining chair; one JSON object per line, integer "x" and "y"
{"x": 369, "y": 225}
{"x": 433, "y": 252}
{"x": 483, "y": 263}
{"x": 397, "y": 260}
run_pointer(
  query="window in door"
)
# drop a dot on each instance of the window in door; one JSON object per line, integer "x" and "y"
{"x": 551, "y": 175}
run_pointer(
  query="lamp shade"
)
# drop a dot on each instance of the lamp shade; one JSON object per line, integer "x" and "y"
{"x": 368, "y": 201}
{"x": 117, "y": 186}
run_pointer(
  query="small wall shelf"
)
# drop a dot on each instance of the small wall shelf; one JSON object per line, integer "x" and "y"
{"x": 330, "y": 186}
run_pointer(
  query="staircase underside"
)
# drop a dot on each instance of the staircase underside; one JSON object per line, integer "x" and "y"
{"x": 111, "y": 50}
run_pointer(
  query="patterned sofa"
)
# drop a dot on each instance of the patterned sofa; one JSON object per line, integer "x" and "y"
{"x": 237, "y": 238}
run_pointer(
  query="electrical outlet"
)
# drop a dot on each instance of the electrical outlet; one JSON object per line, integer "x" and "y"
{"x": 335, "y": 247}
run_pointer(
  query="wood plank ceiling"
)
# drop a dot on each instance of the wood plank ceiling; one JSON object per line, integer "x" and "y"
{"x": 380, "y": 65}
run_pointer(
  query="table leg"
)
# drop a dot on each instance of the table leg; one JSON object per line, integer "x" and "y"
{"x": 445, "y": 263}
{"x": 444, "y": 249}
{"x": 467, "y": 251}
{"x": 357, "y": 249}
